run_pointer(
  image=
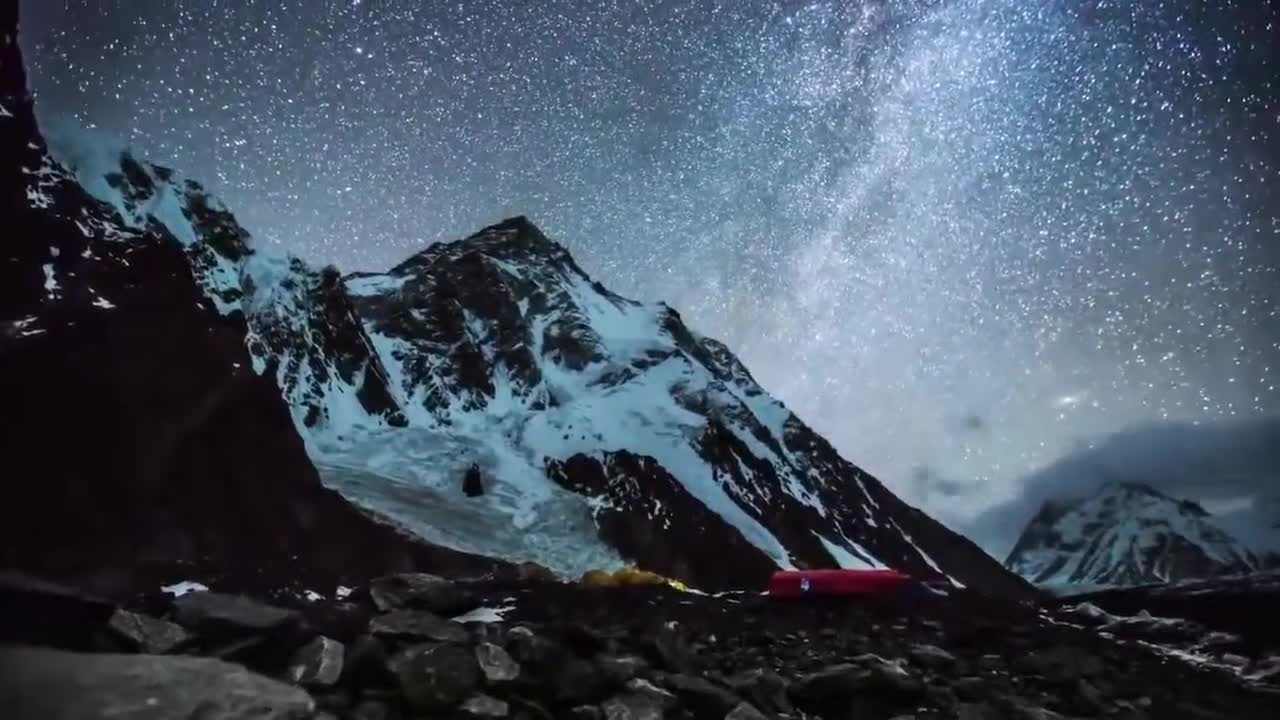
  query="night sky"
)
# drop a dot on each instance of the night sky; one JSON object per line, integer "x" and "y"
{"x": 959, "y": 237}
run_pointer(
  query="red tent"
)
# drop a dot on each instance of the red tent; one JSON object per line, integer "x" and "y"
{"x": 797, "y": 583}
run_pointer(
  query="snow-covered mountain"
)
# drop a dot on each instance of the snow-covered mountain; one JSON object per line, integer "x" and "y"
{"x": 607, "y": 430}
{"x": 1125, "y": 534}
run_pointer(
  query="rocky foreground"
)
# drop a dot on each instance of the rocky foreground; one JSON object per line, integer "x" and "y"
{"x": 416, "y": 646}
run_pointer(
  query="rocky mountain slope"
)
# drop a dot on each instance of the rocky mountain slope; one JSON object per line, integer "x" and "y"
{"x": 140, "y": 445}
{"x": 1125, "y": 534}
{"x": 149, "y": 339}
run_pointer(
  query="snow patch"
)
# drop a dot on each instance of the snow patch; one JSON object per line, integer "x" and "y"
{"x": 855, "y": 557}
{"x": 51, "y": 286}
{"x": 182, "y": 588}
{"x": 486, "y": 614}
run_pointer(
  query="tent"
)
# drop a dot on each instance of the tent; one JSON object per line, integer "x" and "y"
{"x": 800, "y": 583}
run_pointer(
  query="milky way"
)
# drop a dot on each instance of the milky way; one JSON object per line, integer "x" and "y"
{"x": 957, "y": 237}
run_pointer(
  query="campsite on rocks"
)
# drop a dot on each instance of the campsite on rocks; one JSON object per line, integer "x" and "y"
{"x": 235, "y": 483}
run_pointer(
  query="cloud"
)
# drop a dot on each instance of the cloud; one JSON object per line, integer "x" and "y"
{"x": 1206, "y": 462}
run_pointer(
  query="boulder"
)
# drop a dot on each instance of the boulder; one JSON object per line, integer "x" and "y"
{"x": 641, "y": 688}
{"x": 702, "y": 696}
{"x": 319, "y": 662}
{"x": 745, "y": 711}
{"x": 764, "y": 688}
{"x": 367, "y": 663}
{"x": 534, "y": 572}
{"x": 932, "y": 656}
{"x": 496, "y": 664}
{"x": 436, "y": 676}
{"x": 46, "y": 684}
{"x": 632, "y": 707}
{"x": 617, "y": 670}
{"x": 1062, "y": 664}
{"x": 480, "y": 707}
{"x": 417, "y": 625}
{"x": 575, "y": 682}
{"x": 213, "y": 613}
{"x": 422, "y": 591}
{"x": 146, "y": 634}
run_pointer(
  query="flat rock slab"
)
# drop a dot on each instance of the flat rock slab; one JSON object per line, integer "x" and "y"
{"x": 147, "y": 634}
{"x": 44, "y": 684}
{"x": 211, "y": 612}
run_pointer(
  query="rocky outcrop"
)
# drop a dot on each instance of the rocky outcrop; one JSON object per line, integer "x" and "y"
{"x": 144, "y": 448}
{"x": 1125, "y": 534}
{"x": 558, "y": 650}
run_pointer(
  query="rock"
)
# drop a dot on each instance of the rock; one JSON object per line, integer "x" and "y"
{"x": 523, "y": 708}
{"x": 422, "y": 591}
{"x": 619, "y": 669}
{"x": 483, "y": 706}
{"x": 36, "y": 612}
{"x": 496, "y": 664}
{"x": 371, "y": 709}
{"x": 1088, "y": 698}
{"x": 535, "y": 652}
{"x": 632, "y": 707}
{"x": 147, "y": 634}
{"x": 417, "y": 625}
{"x": 45, "y": 684}
{"x": 876, "y": 683}
{"x": 472, "y": 486}
{"x": 745, "y": 711}
{"x": 1030, "y": 712}
{"x": 366, "y": 663}
{"x": 830, "y": 683}
{"x": 969, "y": 688}
{"x": 932, "y": 656}
{"x": 658, "y": 697}
{"x": 977, "y": 711}
{"x": 436, "y": 676}
{"x": 586, "y": 712}
{"x": 764, "y": 688}
{"x": 319, "y": 662}
{"x": 1063, "y": 664}
{"x": 669, "y": 649}
{"x": 533, "y": 572}
{"x": 576, "y": 682}
{"x": 702, "y": 696}
{"x": 217, "y": 613}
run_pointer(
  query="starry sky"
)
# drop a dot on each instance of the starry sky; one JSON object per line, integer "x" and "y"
{"x": 959, "y": 237}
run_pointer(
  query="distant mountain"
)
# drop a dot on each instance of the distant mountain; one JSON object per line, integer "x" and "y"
{"x": 1125, "y": 534}
{"x": 166, "y": 355}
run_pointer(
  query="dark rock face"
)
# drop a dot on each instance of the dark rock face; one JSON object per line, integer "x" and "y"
{"x": 1126, "y": 534}
{"x": 145, "y": 449}
{"x": 472, "y": 485}
{"x": 648, "y": 507}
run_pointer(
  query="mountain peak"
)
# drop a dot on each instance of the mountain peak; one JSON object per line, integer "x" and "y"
{"x": 515, "y": 238}
{"x": 1126, "y": 533}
